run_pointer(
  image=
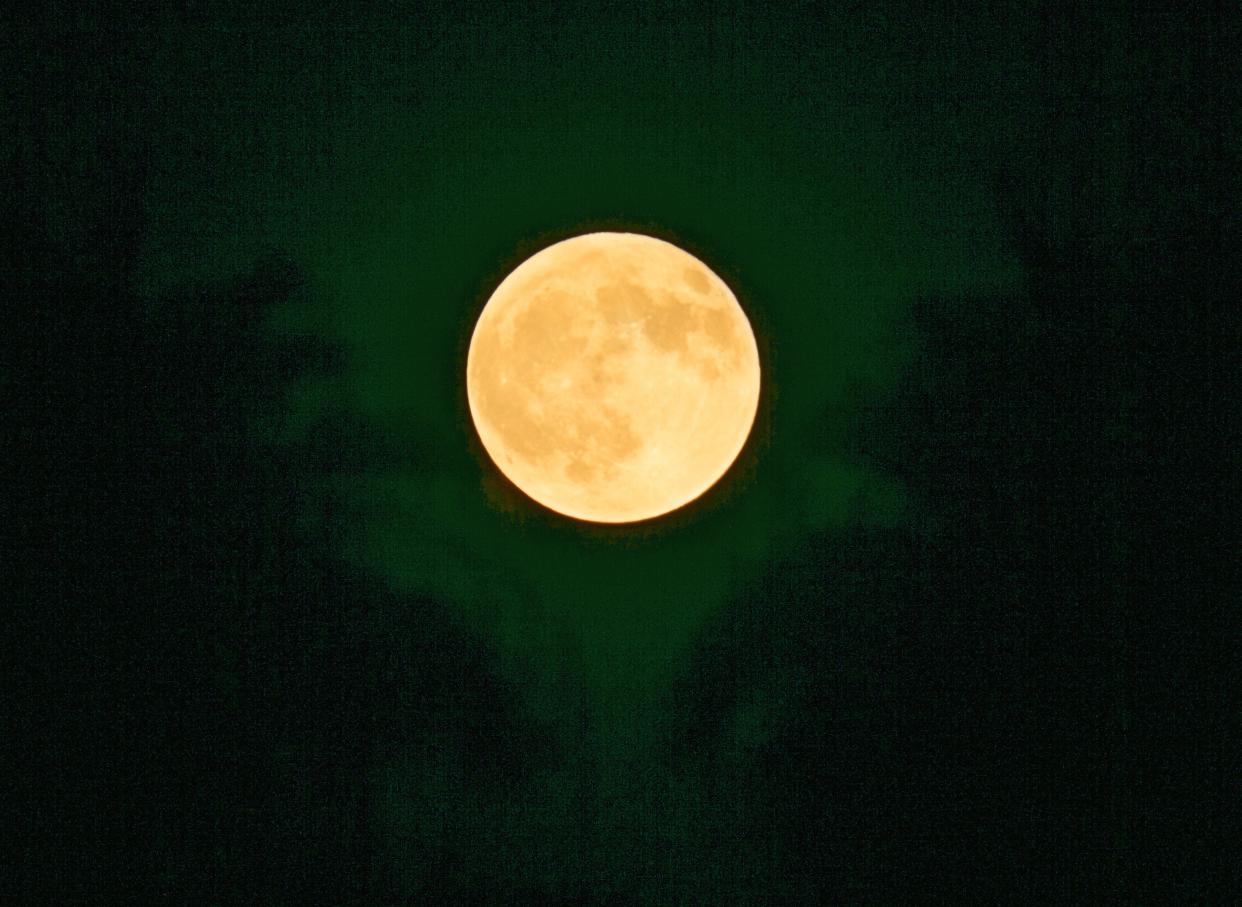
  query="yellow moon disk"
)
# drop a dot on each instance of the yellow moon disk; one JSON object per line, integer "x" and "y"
{"x": 613, "y": 377}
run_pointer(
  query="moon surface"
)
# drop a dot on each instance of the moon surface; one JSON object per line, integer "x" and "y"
{"x": 613, "y": 377}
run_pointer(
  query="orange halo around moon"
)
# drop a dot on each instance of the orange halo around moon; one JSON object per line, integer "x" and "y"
{"x": 613, "y": 377}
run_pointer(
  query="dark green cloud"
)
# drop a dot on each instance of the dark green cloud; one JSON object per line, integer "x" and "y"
{"x": 407, "y": 165}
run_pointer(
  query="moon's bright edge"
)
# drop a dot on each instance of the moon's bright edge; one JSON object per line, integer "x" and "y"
{"x": 613, "y": 377}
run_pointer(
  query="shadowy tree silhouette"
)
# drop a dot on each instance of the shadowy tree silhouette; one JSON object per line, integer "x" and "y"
{"x": 208, "y": 692}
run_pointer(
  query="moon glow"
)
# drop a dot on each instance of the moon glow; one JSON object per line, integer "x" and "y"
{"x": 613, "y": 377}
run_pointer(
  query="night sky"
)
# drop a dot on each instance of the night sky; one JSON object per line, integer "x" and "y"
{"x": 955, "y": 627}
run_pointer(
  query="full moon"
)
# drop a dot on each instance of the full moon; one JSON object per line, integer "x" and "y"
{"x": 613, "y": 377}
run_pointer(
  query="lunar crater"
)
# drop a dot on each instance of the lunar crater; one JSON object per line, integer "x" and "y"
{"x": 611, "y": 378}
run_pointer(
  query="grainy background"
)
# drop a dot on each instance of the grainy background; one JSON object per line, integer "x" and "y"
{"x": 956, "y": 628}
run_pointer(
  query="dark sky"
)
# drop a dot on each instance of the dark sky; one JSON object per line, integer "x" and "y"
{"x": 287, "y": 635}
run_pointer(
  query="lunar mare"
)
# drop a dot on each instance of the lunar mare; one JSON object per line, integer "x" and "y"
{"x": 613, "y": 377}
